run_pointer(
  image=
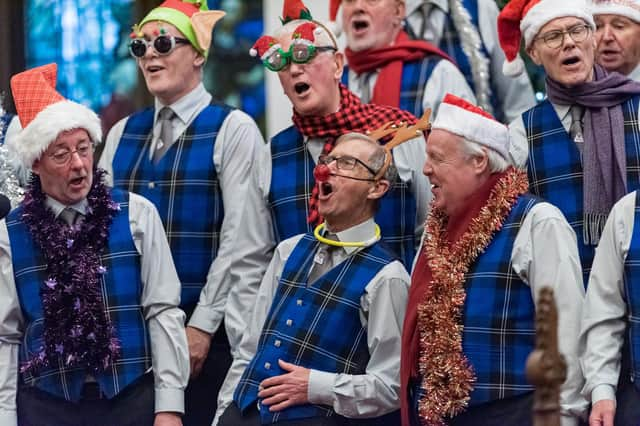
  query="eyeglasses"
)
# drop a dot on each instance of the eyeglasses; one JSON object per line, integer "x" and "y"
{"x": 555, "y": 39}
{"x": 62, "y": 156}
{"x": 346, "y": 162}
{"x": 298, "y": 53}
{"x": 163, "y": 44}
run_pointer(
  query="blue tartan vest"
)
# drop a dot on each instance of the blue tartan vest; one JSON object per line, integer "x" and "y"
{"x": 415, "y": 75}
{"x": 291, "y": 185}
{"x": 632, "y": 295}
{"x": 498, "y": 316}
{"x": 121, "y": 290}
{"x": 555, "y": 170}
{"x": 451, "y": 45}
{"x": 314, "y": 326}
{"x": 183, "y": 186}
{"x": 5, "y": 120}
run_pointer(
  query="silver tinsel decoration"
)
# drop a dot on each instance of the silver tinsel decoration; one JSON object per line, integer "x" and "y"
{"x": 472, "y": 47}
{"x": 9, "y": 185}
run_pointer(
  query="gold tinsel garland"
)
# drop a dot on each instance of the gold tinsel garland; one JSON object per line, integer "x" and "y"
{"x": 447, "y": 376}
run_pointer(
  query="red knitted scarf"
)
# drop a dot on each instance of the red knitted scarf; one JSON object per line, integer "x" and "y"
{"x": 390, "y": 60}
{"x": 353, "y": 116}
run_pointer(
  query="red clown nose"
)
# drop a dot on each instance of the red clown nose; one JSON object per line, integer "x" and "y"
{"x": 321, "y": 173}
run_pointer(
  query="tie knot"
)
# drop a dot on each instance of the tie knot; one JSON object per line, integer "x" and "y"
{"x": 166, "y": 113}
{"x": 577, "y": 111}
{"x": 69, "y": 215}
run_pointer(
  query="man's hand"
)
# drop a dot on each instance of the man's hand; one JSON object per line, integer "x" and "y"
{"x": 199, "y": 343}
{"x": 286, "y": 390}
{"x": 167, "y": 419}
{"x": 602, "y": 413}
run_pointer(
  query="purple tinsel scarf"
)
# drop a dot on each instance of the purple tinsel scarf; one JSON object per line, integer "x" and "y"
{"x": 604, "y": 158}
{"x": 77, "y": 330}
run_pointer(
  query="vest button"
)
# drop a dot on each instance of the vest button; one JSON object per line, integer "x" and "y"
{"x": 289, "y": 322}
{"x": 267, "y": 365}
{"x": 152, "y": 185}
{"x": 277, "y": 343}
{"x": 299, "y": 302}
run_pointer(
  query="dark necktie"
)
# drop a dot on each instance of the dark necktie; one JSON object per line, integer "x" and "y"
{"x": 323, "y": 260}
{"x": 575, "y": 130}
{"x": 69, "y": 216}
{"x": 165, "y": 116}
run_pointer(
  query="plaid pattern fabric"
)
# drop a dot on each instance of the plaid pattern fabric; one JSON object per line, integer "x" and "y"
{"x": 291, "y": 185}
{"x": 415, "y": 75}
{"x": 184, "y": 188}
{"x": 121, "y": 290}
{"x": 5, "y": 120}
{"x": 555, "y": 169}
{"x": 632, "y": 295}
{"x": 450, "y": 44}
{"x": 498, "y": 316}
{"x": 353, "y": 116}
{"x": 303, "y": 323}
{"x": 34, "y": 90}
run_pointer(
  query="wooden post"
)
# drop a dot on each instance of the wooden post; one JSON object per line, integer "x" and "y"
{"x": 546, "y": 368}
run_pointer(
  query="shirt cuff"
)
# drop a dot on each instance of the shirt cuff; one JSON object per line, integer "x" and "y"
{"x": 601, "y": 392}
{"x": 205, "y": 319}
{"x": 8, "y": 418}
{"x": 321, "y": 387}
{"x": 167, "y": 399}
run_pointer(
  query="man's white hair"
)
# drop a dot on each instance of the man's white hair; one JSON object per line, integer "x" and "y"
{"x": 497, "y": 163}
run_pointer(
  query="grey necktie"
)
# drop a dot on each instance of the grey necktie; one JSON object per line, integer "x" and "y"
{"x": 165, "y": 141}
{"x": 69, "y": 216}
{"x": 323, "y": 260}
{"x": 575, "y": 130}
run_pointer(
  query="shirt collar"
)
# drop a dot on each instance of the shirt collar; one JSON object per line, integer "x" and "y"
{"x": 185, "y": 106}
{"x": 57, "y": 207}
{"x": 413, "y": 5}
{"x": 361, "y": 232}
{"x": 635, "y": 74}
{"x": 561, "y": 110}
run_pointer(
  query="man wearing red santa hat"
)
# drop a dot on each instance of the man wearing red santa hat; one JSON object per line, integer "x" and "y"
{"x": 89, "y": 294}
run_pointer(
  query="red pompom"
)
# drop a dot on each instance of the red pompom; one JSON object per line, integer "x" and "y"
{"x": 321, "y": 173}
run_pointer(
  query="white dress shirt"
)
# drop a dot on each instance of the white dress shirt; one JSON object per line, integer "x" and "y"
{"x": 604, "y": 318}
{"x": 159, "y": 299}
{"x": 545, "y": 253}
{"x": 515, "y": 95}
{"x": 445, "y": 78}
{"x": 635, "y": 74}
{"x": 234, "y": 274}
{"x": 382, "y": 309}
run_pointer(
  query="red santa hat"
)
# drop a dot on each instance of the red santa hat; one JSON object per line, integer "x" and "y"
{"x": 334, "y": 16}
{"x": 525, "y": 18}
{"x": 44, "y": 113}
{"x": 472, "y": 123}
{"x": 626, "y": 8}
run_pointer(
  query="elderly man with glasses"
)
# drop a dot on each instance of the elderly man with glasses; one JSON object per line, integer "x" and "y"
{"x": 304, "y": 54}
{"x": 581, "y": 146}
{"x": 617, "y": 35}
{"x": 194, "y": 158}
{"x": 323, "y": 343}
{"x": 89, "y": 293}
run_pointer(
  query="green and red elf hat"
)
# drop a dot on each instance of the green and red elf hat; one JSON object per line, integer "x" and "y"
{"x": 192, "y": 17}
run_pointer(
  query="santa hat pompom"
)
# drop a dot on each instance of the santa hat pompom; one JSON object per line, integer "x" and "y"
{"x": 513, "y": 68}
{"x": 264, "y": 46}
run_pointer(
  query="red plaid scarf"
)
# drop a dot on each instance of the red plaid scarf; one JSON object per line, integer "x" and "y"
{"x": 353, "y": 116}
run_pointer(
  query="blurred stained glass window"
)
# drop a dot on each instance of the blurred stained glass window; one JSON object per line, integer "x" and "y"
{"x": 87, "y": 39}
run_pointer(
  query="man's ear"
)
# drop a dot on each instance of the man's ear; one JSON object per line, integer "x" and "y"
{"x": 35, "y": 167}
{"x": 534, "y": 54}
{"x": 339, "y": 61}
{"x": 199, "y": 60}
{"x": 378, "y": 189}
{"x": 481, "y": 162}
